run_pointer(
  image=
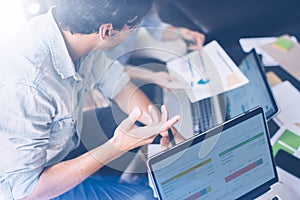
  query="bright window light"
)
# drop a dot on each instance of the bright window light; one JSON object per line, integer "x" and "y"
{"x": 12, "y": 17}
{"x": 34, "y": 8}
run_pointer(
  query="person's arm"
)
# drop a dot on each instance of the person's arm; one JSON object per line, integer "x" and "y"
{"x": 61, "y": 177}
{"x": 166, "y": 32}
{"x": 194, "y": 39}
{"x": 130, "y": 97}
{"x": 161, "y": 78}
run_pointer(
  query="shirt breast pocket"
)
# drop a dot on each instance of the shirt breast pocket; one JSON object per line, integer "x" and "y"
{"x": 66, "y": 122}
{"x": 5, "y": 190}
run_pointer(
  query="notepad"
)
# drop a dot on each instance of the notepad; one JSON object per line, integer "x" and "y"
{"x": 283, "y": 44}
{"x": 288, "y": 60}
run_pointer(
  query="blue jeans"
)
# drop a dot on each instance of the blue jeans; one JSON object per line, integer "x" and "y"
{"x": 95, "y": 188}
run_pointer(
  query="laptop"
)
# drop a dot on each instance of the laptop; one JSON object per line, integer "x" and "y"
{"x": 231, "y": 161}
{"x": 211, "y": 111}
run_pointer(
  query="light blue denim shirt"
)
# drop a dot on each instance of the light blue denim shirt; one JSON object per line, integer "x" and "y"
{"x": 41, "y": 102}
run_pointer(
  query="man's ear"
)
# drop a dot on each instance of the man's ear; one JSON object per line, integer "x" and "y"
{"x": 105, "y": 31}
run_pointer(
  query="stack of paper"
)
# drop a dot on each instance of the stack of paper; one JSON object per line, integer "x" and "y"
{"x": 207, "y": 73}
{"x": 288, "y": 58}
{"x": 288, "y": 98}
{"x": 248, "y": 44}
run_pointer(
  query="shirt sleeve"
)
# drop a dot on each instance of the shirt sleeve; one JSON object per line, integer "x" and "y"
{"x": 110, "y": 74}
{"x": 155, "y": 26}
{"x": 24, "y": 129}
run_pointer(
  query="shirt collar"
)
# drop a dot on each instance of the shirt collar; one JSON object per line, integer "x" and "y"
{"x": 60, "y": 56}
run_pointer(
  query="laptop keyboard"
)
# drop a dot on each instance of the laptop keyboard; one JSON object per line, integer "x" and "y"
{"x": 203, "y": 119}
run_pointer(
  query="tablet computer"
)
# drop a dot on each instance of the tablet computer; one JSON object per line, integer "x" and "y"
{"x": 256, "y": 93}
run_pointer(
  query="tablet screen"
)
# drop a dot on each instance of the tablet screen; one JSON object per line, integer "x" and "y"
{"x": 256, "y": 93}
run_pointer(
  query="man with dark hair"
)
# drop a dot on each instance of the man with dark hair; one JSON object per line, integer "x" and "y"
{"x": 87, "y": 16}
{"x": 46, "y": 74}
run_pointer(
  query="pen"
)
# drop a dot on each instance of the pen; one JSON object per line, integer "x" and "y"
{"x": 191, "y": 71}
{"x": 202, "y": 63}
{"x": 203, "y": 80}
{"x": 171, "y": 136}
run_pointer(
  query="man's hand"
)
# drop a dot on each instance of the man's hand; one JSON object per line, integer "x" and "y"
{"x": 165, "y": 142}
{"x": 128, "y": 136}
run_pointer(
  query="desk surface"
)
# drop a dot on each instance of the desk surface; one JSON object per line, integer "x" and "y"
{"x": 284, "y": 76}
{"x": 197, "y": 15}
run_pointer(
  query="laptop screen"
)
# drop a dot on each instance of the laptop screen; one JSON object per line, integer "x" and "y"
{"x": 230, "y": 161}
{"x": 256, "y": 93}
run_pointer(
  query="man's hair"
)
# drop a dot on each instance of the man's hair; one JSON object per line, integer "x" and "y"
{"x": 86, "y": 16}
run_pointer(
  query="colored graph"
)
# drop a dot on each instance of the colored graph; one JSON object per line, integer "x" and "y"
{"x": 243, "y": 170}
{"x": 240, "y": 144}
{"x": 199, "y": 194}
{"x": 187, "y": 171}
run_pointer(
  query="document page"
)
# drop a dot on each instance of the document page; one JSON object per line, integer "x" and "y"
{"x": 248, "y": 44}
{"x": 207, "y": 73}
{"x": 288, "y": 59}
{"x": 288, "y": 98}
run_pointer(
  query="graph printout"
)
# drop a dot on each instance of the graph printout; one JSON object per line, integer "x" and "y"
{"x": 207, "y": 73}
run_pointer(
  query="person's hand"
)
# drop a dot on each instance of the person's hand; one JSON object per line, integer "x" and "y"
{"x": 194, "y": 39}
{"x": 165, "y": 142}
{"x": 128, "y": 136}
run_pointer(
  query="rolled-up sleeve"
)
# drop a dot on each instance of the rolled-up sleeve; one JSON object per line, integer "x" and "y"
{"x": 113, "y": 80}
{"x": 24, "y": 129}
{"x": 155, "y": 26}
{"x": 109, "y": 75}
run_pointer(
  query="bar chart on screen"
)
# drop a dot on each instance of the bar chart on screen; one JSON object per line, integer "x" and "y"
{"x": 174, "y": 188}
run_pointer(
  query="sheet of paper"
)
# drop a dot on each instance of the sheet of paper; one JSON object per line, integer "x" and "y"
{"x": 287, "y": 138}
{"x": 287, "y": 98}
{"x": 177, "y": 85}
{"x": 254, "y": 43}
{"x": 273, "y": 78}
{"x": 289, "y": 180}
{"x": 207, "y": 73}
{"x": 289, "y": 60}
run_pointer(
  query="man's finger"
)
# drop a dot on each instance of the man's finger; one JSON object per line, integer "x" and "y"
{"x": 164, "y": 113}
{"x": 153, "y": 114}
{"x": 165, "y": 125}
{"x": 134, "y": 116}
{"x": 171, "y": 122}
